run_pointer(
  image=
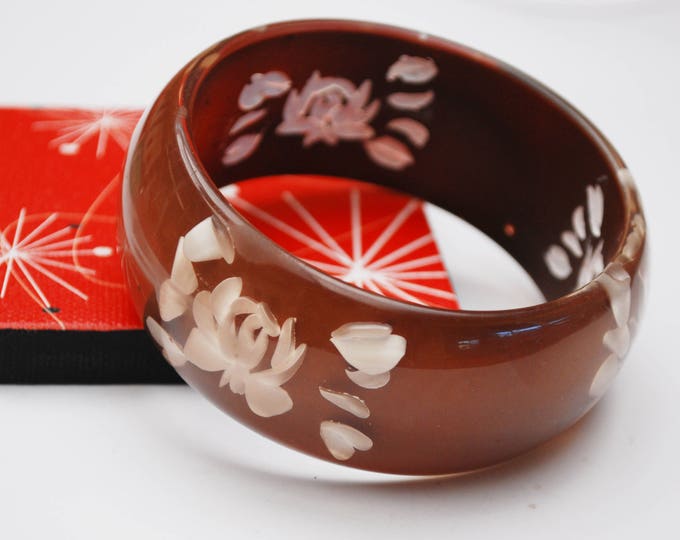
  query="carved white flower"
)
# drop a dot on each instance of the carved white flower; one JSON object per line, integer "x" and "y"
{"x": 581, "y": 242}
{"x": 232, "y": 335}
{"x": 373, "y": 351}
{"x": 329, "y": 109}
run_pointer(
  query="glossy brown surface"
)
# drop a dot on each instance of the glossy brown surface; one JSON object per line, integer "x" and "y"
{"x": 472, "y": 388}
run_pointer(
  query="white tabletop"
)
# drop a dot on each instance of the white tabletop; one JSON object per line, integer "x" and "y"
{"x": 154, "y": 462}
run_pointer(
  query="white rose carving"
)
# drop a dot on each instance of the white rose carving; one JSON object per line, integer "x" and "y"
{"x": 232, "y": 335}
{"x": 329, "y": 109}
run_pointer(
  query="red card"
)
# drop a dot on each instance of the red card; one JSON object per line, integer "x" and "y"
{"x": 60, "y": 191}
{"x": 60, "y": 265}
{"x": 364, "y": 234}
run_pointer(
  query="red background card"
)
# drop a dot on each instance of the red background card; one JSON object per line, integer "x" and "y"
{"x": 60, "y": 191}
{"x": 364, "y": 234}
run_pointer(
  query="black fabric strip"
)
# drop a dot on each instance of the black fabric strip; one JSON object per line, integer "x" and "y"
{"x": 76, "y": 357}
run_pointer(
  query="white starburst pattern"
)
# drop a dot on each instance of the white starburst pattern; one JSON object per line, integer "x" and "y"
{"x": 387, "y": 274}
{"x": 79, "y": 126}
{"x": 32, "y": 257}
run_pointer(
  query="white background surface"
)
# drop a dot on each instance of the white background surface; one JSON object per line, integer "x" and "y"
{"x": 149, "y": 462}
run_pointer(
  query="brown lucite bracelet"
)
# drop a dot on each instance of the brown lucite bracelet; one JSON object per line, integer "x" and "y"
{"x": 338, "y": 372}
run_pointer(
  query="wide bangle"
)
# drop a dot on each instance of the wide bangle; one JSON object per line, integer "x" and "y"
{"x": 342, "y": 373}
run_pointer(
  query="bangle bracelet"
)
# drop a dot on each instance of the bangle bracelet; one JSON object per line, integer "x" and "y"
{"x": 342, "y": 373}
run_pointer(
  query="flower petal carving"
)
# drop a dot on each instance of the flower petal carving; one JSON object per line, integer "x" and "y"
{"x": 410, "y": 101}
{"x": 171, "y": 350}
{"x": 626, "y": 177}
{"x": 285, "y": 352}
{"x": 388, "y": 152}
{"x": 342, "y": 440}
{"x": 557, "y": 260}
{"x": 369, "y": 347}
{"x": 242, "y": 148}
{"x": 174, "y": 295}
{"x": 604, "y": 376}
{"x": 204, "y": 351}
{"x": 595, "y": 199}
{"x": 370, "y": 382}
{"x": 223, "y": 296}
{"x": 172, "y": 302}
{"x": 266, "y": 320}
{"x": 581, "y": 241}
{"x": 578, "y": 221}
{"x": 635, "y": 237}
{"x": 617, "y": 340}
{"x": 347, "y": 402}
{"x": 266, "y": 400}
{"x": 413, "y": 130}
{"x": 182, "y": 273}
{"x": 373, "y": 350}
{"x": 329, "y": 109}
{"x": 616, "y": 283}
{"x": 591, "y": 265}
{"x": 208, "y": 242}
{"x": 203, "y": 314}
{"x": 412, "y": 70}
{"x": 263, "y": 86}
{"x": 571, "y": 241}
{"x": 232, "y": 335}
{"x": 247, "y": 120}
{"x": 283, "y": 374}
